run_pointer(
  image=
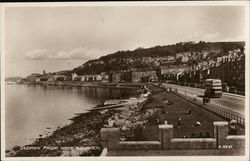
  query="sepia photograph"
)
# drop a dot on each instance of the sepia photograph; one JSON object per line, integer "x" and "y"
{"x": 125, "y": 79}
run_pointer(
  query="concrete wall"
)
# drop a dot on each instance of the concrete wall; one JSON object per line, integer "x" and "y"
{"x": 235, "y": 142}
{"x": 139, "y": 145}
{"x": 110, "y": 139}
{"x": 225, "y": 141}
{"x": 151, "y": 133}
{"x": 194, "y": 143}
{"x": 164, "y": 140}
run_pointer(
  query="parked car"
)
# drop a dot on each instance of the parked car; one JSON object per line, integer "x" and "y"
{"x": 233, "y": 89}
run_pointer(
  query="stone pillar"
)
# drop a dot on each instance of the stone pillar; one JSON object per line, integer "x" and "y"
{"x": 113, "y": 138}
{"x": 220, "y": 132}
{"x": 110, "y": 137}
{"x": 165, "y": 136}
{"x": 104, "y": 137}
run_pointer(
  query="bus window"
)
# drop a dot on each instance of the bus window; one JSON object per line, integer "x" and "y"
{"x": 213, "y": 88}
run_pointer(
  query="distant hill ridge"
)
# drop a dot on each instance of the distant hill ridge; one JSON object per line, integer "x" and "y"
{"x": 158, "y": 56}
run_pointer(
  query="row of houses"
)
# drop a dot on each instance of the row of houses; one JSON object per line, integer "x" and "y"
{"x": 134, "y": 76}
{"x": 230, "y": 69}
{"x": 161, "y": 60}
{"x": 104, "y": 77}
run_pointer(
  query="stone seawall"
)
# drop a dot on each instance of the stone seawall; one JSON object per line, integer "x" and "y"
{"x": 110, "y": 139}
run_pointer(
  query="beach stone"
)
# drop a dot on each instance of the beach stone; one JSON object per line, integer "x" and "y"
{"x": 16, "y": 148}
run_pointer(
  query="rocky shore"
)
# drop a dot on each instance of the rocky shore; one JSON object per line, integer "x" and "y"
{"x": 82, "y": 136}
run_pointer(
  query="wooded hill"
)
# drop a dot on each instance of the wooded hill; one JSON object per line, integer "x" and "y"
{"x": 123, "y": 60}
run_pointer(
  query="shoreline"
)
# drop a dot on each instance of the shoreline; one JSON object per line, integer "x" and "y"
{"x": 85, "y": 84}
{"x": 65, "y": 137}
{"x": 81, "y": 136}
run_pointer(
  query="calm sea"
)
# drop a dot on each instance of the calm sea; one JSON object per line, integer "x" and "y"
{"x": 34, "y": 110}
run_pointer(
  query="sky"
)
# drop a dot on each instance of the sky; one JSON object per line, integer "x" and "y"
{"x": 62, "y": 38}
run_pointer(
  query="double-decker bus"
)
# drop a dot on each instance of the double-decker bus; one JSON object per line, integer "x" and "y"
{"x": 213, "y": 88}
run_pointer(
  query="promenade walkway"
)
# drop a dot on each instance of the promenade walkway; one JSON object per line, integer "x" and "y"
{"x": 230, "y": 102}
{"x": 178, "y": 108}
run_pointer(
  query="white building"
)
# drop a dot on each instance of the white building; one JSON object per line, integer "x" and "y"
{"x": 98, "y": 77}
{"x": 82, "y": 78}
{"x": 74, "y": 76}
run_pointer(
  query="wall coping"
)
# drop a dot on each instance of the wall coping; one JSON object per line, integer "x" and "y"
{"x": 220, "y": 123}
{"x": 193, "y": 140}
{"x": 235, "y": 137}
{"x": 165, "y": 126}
{"x": 139, "y": 143}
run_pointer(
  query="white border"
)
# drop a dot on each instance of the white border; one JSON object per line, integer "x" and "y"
{"x": 2, "y": 51}
{"x": 157, "y": 3}
{"x": 135, "y": 3}
{"x": 247, "y": 79}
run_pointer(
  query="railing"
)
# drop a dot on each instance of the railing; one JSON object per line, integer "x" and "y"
{"x": 201, "y": 86}
{"x": 213, "y": 108}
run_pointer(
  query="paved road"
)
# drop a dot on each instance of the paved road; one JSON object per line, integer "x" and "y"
{"x": 232, "y": 102}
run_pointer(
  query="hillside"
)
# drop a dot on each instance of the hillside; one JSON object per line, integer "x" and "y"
{"x": 189, "y": 53}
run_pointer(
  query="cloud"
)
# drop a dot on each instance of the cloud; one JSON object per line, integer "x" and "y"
{"x": 37, "y": 54}
{"x": 77, "y": 53}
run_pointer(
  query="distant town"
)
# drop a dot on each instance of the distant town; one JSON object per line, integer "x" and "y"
{"x": 189, "y": 68}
